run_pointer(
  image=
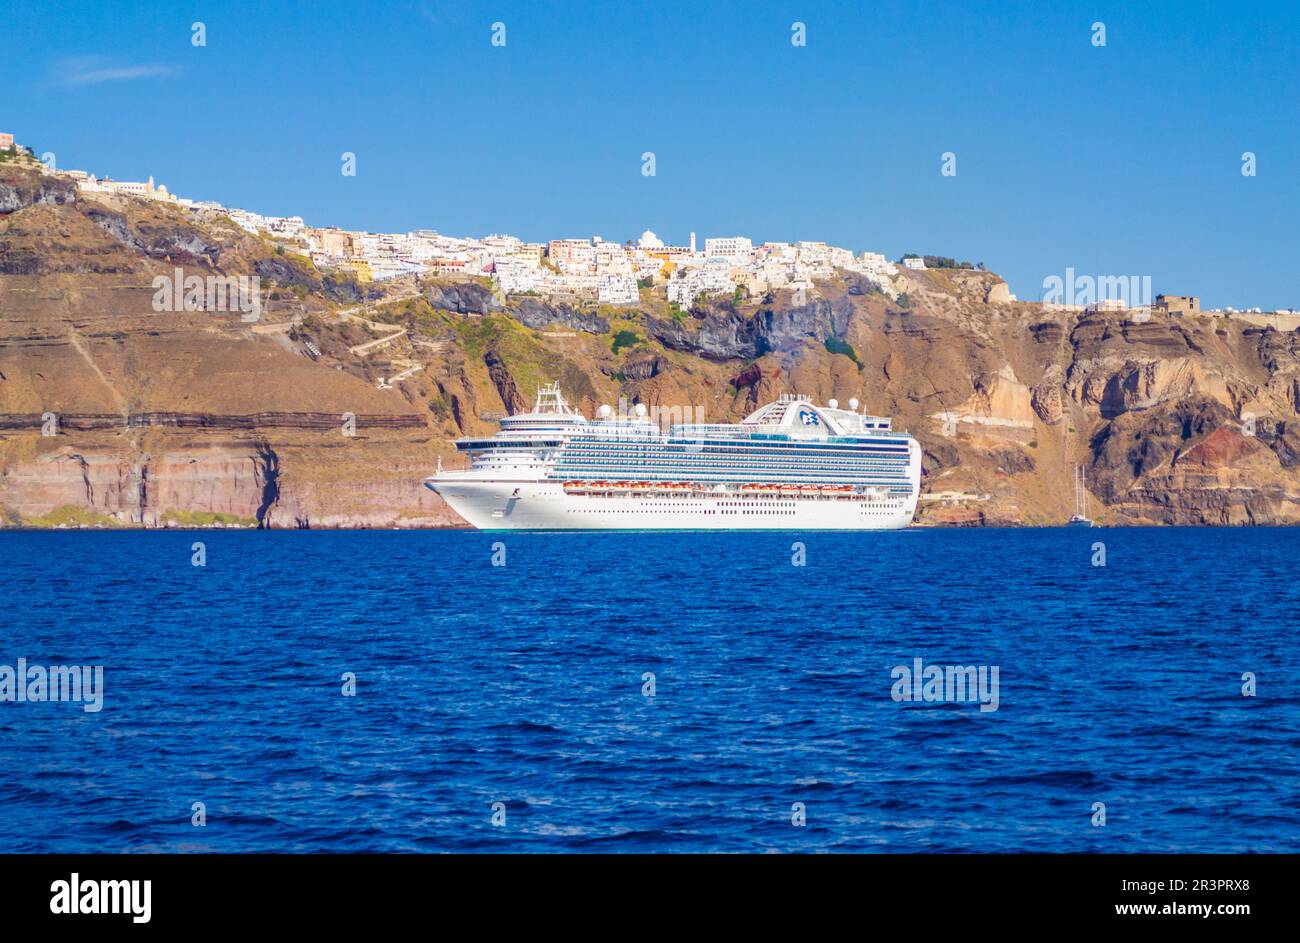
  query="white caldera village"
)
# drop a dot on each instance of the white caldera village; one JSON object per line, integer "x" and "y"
{"x": 788, "y": 465}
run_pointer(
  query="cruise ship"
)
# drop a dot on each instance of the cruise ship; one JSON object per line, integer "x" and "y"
{"x": 789, "y": 465}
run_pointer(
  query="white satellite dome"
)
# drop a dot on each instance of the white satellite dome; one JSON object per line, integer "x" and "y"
{"x": 833, "y": 403}
{"x": 605, "y": 411}
{"x": 639, "y": 409}
{"x": 853, "y": 403}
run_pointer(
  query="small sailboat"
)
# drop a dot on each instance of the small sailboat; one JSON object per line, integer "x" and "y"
{"x": 1080, "y": 517}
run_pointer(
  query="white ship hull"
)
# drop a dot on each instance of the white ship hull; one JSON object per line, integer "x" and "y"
{"x": 790, "y": 465}
{"x": 544, "y": 505}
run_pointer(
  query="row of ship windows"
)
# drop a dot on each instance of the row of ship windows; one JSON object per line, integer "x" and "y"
{"x": 642, "y": 452}
{"x": 612, "y": 468}
{"x": 675, "y": 455}
{"x": 760, "y": 501}
{"x": 800, "y": 461}
{"x": 701, "y": 504}
{"x": 764, "y": 499}
{"x": 712, "y": 511}
{"x": 791, "y": 478}
{"x": 744, "y": 445}
{"x": 741, "y": 504}
{"x": 740, "y": 461}
{"x": 688, "y": 445}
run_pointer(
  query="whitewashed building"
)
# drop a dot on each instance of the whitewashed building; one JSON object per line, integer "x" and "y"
{"x": 733, "y": 248}
{"x": 616, "y": 290}
{"x": 685, "y": 287}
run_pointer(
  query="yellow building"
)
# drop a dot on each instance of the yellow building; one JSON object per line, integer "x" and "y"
{"x": 360, "y": 268}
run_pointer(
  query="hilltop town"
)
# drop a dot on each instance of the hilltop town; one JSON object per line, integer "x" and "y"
{"x": 593, "y": 269}
{"x": 614, "y": 273}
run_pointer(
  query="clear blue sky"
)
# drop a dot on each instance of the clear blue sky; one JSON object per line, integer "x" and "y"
{"x": 1117, "y": 160}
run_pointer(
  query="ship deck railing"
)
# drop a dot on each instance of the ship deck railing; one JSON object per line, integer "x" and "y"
{"x": 730, "y": 431}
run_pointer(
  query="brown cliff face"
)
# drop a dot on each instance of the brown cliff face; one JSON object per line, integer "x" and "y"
{"x": 304, "y": 481}
{"x": 330, "y": 409}
{"x": 1225, "y": 478}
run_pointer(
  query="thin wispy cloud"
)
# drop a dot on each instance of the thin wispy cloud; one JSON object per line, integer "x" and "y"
{"x": 76, "y": 71}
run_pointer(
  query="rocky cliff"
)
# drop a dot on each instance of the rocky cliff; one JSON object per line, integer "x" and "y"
{"x": 329, "y": 408}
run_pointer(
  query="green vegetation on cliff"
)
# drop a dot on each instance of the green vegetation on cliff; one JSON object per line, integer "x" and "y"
{"x": 625, "y": 339}
{"x": 67, "y": 515}
{"x": 837, "y": 345}
{"x": 206, "y": 519}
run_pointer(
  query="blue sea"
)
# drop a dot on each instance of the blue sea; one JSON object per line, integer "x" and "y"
{"x": 646, "y": 692}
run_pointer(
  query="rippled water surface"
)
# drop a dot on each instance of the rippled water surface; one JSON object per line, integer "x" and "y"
{"x": 523, "y": 684}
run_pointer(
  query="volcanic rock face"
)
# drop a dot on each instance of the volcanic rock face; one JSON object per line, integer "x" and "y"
{"x": 1225, "y": 478}
{"x": 176, "y": 242}
{"x": 538, "y": 314}
{"x": 643, "y": 365}
{"x": 504, "y": 382}
{"x": 1046, "y": 399}
{"x": 1148, "y": 383}
{"x": 998, "y": 294}
{"x": 237, "y": 484}
{"x": 728, "y": 334}
{"x": 19, "y": 190}
{"x": 330, "y": 409}
{"x": 283, "y": 273}
{"x": 468, "y": 298}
